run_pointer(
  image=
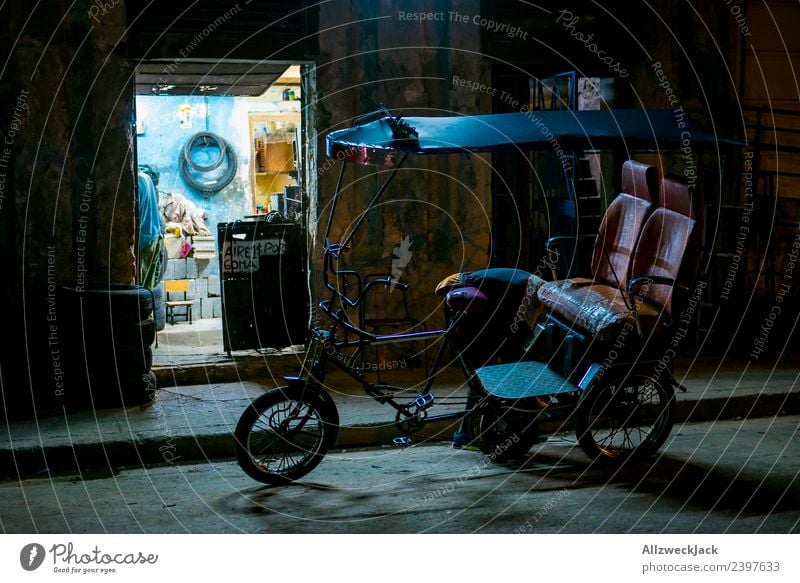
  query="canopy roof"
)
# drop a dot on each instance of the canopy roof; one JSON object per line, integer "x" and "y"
{"x": 380, "y": 141}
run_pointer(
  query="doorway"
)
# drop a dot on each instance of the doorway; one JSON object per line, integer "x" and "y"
{"x": 223, "y": 141}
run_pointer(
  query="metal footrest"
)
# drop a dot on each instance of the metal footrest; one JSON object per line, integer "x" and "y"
{"x": 522, "y": 380}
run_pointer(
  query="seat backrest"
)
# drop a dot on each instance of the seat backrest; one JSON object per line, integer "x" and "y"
{"x": 622, "y": 224}
{"x": 664, "y": 241}
{"x": 640, "y": 180}
{"x": 176, "y": 286}
{"x": 675, "y": 196}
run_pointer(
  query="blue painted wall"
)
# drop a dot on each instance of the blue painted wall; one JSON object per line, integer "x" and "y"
{"x": 160, "y": 146}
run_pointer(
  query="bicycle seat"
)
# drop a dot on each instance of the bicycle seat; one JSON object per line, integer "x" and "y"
{"x": 467, "y": 300}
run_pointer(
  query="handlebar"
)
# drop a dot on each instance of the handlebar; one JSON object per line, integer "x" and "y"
{"x": 341, "y": 319}
{"x": 338, "y": 288}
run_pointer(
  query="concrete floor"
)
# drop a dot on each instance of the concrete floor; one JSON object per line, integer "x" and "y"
{"x": 719, "y": 477}
{"x": 201, "y": 342}
{"x": 182, "y": 339}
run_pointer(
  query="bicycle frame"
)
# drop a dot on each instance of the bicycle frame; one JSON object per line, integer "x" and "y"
{"x": 329, "y": 348}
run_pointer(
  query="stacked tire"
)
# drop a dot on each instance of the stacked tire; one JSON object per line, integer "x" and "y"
{"x": 159, "y": 306}
{"x": 109, "y": 333}
{"x": 159, "y": 291}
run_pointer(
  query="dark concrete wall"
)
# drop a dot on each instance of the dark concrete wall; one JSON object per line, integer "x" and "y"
{"x": 374, "y": 53}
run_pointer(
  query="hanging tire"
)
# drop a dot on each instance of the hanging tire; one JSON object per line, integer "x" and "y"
{"x": 503, "y": 433}
{"x": 285, "y": 433}
{"x": 625, "y": 419}
{"x": 215, "y": 184}
{"x": 206, "y": 137}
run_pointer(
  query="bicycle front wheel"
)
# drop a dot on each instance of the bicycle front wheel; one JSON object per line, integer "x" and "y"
{"x": 285, "y": 433}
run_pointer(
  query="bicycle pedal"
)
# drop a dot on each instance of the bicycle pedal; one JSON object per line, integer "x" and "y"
{"x": 403, "y": 441}
{"x": 422, "y": 401}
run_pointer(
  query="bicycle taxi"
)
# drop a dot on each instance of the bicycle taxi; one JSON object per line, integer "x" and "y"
{"x": 587, "y": 354}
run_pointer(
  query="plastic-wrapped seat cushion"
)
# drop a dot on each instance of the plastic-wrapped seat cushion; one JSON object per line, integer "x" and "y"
{"x": 594, "y": 308}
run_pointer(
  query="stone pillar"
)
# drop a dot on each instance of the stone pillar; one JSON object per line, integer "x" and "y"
{"x": 68, "y": 202}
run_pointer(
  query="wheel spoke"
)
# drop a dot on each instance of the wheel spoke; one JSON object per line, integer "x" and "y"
{"x": 284, "y": 434}
{"x": 619, "y": 421}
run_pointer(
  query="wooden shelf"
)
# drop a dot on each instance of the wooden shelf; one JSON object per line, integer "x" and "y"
{"x": 274, "y": 158}
{"x": 277, "y": 162}
{"x": 266, "y": 116}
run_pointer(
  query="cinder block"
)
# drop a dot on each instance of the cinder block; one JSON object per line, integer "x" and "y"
{"x": 201, "y": 288}
{"x": 173, "y": 245}
{"x": 196, "y": 308}
{"x": 213, "y": 286}
{"x": 170, "y": 271}
{"x": 207, "y": 308}
{"x": 206, "y": 267}
{"x": 191, "y": 268}
{"x": 217, "y": 304}
{"x": 179, "y": 268}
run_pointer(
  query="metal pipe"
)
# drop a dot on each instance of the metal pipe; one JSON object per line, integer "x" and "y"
{"x": 335, "y": 200}
{"x": 374, "y": 200}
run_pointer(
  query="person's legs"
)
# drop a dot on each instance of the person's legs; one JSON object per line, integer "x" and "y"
{"x": 149, "y": 258}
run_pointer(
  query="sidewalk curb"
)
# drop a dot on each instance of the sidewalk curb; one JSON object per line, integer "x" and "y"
{"x": 117, "y": 455}
{"x": 185, "y": 372}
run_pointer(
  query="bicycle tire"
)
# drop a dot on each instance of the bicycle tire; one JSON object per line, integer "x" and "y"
{"x": 625, "y": 419}
{"x": 288, "y": 421}
{"x": 502, "y": 433}
{"x": 220, "y": 182}
{"x": 208, "y": 137}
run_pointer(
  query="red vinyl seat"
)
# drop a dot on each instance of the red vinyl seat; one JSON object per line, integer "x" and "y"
{"x": 579, "y": 299}
{"x": 600, "y": 309}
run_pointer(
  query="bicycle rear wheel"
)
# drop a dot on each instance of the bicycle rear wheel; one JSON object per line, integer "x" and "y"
{"x": 627, "y": 419}
{"x": 285, "y": 433}
{"x": 503, "y": 433}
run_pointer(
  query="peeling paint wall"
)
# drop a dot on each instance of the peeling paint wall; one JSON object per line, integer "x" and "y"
{"x": 440, "y": 205}
{"x": 163, "y": 140}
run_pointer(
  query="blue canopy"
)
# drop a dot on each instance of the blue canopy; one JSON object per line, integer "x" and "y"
{"x": 381, "y": 140}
